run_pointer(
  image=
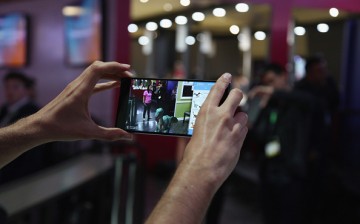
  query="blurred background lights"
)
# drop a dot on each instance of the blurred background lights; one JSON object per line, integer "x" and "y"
{"x": 144, "y": 1}
{"x": 299, "y": 30}
{"x": 133, "y": 28}
{"x": 260, "y": 35}
{"x": 334, "y": 12}
{"x": 168, "y": 7}
{"x": 322, "y": 27}
{"x": 198, "y": 16}
{"x": 190, "y": 40}
{"x": 181, "y": 20}
{"x": 72, "y": 11}
{"x": 219, "y": 12}
{"x": 185, "y": 2}
{"x": 242, "y": 7}
{"x": 143, "y": 40}
{"x": 165, "y": 23}
{"x": 234, "y": 29}
{"x": 151, "y": 26}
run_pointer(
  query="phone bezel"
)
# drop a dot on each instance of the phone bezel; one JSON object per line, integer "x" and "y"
{"x": 122, "y": 110}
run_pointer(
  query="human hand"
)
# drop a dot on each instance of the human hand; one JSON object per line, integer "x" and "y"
{"x": 67, "y": 116}
{"x": 264, "y": 92}
{"x": 219, "y": 133}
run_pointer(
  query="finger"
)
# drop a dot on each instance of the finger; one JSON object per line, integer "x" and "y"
{"x": 241, "y": 118}
{"x": 99, "y": 70}
{"x": 126, "y": 74}
{"x": 233, "y": 100}
{"x": 217, "y": 91}
{"x": 113, "y": 134}
{"x": 107, "y": 85}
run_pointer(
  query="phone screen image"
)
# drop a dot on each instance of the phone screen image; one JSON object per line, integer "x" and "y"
{"x": 159, "y": 106}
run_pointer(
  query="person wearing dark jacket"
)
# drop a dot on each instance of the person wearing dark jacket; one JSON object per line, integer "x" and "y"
{"x": 18, "y": 89}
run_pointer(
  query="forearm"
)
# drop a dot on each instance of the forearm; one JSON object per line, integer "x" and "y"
{"x": 18, "y": 138}
{"x": 186, "y": 199}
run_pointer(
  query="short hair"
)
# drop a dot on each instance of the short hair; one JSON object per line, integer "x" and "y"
{"x": 27, "y": 81}
{"x": 277, "y": 69}
{"x": 313, "y": 60}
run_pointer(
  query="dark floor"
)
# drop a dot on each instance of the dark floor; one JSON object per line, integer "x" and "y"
{"x": 149, "y": 125}
{"x": 240, "y": 203}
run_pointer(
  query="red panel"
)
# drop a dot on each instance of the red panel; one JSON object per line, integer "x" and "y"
{"x": 157, "y": 148}
{"x": 279, "y": 48}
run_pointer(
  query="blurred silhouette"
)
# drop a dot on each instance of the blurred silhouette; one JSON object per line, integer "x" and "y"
{"x": 281, "y": 129}
{"x": 19, "y": 92}
{"x": 322, "y": 88}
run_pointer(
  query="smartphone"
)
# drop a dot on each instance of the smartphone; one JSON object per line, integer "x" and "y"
{"x": 161, "y": 106}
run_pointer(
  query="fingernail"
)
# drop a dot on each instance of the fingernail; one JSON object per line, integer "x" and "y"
{"x": 227, "y": 77}
{"x": 127, "y": 65}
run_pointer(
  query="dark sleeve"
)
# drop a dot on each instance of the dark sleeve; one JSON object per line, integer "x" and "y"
{"x": 294, "y": 96}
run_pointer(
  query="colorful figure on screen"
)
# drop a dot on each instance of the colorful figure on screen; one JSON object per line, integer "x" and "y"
{"x": 164, "y": 122}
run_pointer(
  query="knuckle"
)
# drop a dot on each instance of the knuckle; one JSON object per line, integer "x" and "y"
{"x": 96, "y": 65}
{"x": 226, "y": 119}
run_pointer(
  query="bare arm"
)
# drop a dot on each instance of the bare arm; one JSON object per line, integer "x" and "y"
{"x": 66, "y": 117}
{"x": 208, "y": 160}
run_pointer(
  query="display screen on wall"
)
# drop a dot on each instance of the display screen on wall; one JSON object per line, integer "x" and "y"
{"x": 13, "y": 40}
{"x": 83, "y": 32}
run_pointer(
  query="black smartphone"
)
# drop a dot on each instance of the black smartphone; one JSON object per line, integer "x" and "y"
{"x": 161, "y": 106}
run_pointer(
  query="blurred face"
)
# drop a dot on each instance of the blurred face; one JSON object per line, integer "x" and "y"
{"x": 318, "y": 71}
{"x": 273, "y": 80}
{"x": 15, "y": 90}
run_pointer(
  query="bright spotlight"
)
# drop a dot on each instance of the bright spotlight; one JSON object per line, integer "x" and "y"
{"x": 185, "y": 2}
{"x": 181, "y": 20}
{"x": 322, "y": 27}
{"x": 151, "y": 26}
{"x": 219, "y": 12}
{"x": 133, "y": 28}
{"x": 190, "y": 40}
{"x": 242, "y": 7}
{"x": 144, "y": 40}
{"x": 234, "y": 29}
{"x": 198, "y": 16}
{"x": 299, "y": 30}
{"x": 165, "y": 23}
{"x": 260, "y": 35}
{"x": 334, "y": 12}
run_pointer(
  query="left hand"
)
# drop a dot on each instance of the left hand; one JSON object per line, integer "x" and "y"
{"x": 67, "y": 116}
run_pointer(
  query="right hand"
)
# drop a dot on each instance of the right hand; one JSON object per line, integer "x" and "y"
{"x": 219, "y": 133}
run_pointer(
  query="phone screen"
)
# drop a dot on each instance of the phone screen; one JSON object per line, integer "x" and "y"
{"x": 161, "y": 106}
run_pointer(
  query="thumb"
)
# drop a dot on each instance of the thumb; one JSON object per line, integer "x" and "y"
{"x": 113, "y": 134}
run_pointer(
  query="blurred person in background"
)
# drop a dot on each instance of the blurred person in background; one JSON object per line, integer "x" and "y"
{"x": 322, "y": 180}
{"x": 19, "y": 91}
{"x": 281, "y": 129}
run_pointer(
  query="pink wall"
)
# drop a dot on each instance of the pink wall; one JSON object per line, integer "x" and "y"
{"x": 47, "y": 52}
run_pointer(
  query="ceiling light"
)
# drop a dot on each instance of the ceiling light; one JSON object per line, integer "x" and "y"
{"x": 190, "y": 40}
{"x": 168, "y": 7}
{"x": 198, "y": 16}
{"x": 234, "y": 29}
{"x": 181, "y": 20}
{"x": 242, "y": 7}
{"x": 133, "y": 28}
{"x": 299, "y": 30}
{"x": 143, "y": 40}
{"x": 219, "y": 12}
{"x": 322, "y": 27}
{"x": 151, "y": 26}
{"x": 72, "y": 11}
{"x": 334, "y": 12}
{"x": 260, "y": 35}
{"x": 144, "y": 1}
{"x": 165, "y": 23}
{"x": 185, "y": 2}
